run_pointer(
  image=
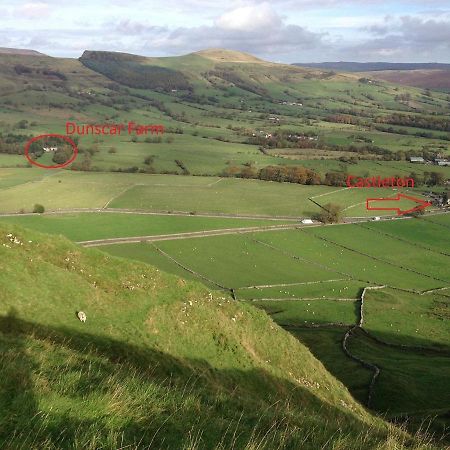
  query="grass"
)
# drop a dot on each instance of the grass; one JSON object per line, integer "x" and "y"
{"x": 226, "y": 196}
{"x": 326, "y": 289}
{"x": 354, "y": 201}
{"x": 236, "y": 261}
{"x": 157, "y": 193}
{"x": 398, "y": 253}
{"x": 347, "y": 262}
{"x": 405, "y": 371}
{"x": 314, "y": 312}
{"x": 294, "y": 256}
{"x": 306, "y": 276}
{"x": 12, "y": 160}
{"x": 326, "y": 345}
{"x": 421, "y": 232}
{"x": 91, "y": 226}
{"x": 14, "y": 177}
{"x": 389, "y": 312}
{"x": 177, "y": 368}
{"x": 62, "y": 189}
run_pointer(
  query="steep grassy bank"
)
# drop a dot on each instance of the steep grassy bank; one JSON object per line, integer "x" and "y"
{"x": 160, "y": 362}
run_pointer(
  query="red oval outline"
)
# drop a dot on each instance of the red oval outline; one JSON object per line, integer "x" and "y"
{"x": 57, "y": 166}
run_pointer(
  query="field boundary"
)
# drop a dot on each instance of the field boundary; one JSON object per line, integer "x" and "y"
{"x": 302, "y": 299}
{"x": 383, "y": 233}
{"x": 263, "y": 286}
{"x": 300, "y": 258}
{"x": 118, "y": 195}
{"x": 376, "y": 370}
{"x": 376, "y": 258}
{"x": 187, "y": 269}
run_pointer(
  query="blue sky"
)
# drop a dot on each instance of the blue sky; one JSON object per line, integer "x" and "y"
{"x": 279, "y": 30}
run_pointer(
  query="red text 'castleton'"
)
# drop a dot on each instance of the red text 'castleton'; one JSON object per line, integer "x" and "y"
{"x": 378, "y": 182}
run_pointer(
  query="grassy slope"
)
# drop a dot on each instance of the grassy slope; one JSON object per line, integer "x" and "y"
{"x": 177, "y": 367}
{"x": 409, "y": 255}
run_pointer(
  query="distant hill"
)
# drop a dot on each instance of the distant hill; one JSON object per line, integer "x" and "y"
{"x": 134, "y": 71}
{"x": 345, "y": 66}
{"x": 20, "y": 51}
{"x": 223, "y": 55}
{"x": 20, "y": 72}
{"x": 218, "y": 68}
{"x": 426, "y": 79}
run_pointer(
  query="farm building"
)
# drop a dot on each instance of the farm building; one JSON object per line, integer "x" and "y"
{"x": 416, "y": 159}
{"x": 49, "y": 149}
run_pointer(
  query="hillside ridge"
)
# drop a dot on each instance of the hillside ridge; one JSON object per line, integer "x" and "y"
{"x": 20, "y": 51}
{"x": 147, "y": 338}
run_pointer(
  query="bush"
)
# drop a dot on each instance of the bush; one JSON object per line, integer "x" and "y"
{"x": 331, "y": 213}
{"x": 38, "y": 209}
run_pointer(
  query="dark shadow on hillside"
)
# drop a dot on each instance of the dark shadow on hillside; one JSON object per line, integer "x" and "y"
{"x": 247, "y": 399}
{"x": 18, "y": 404}
{"x": 415, "y": 343}
{"x": 411, "y": 381}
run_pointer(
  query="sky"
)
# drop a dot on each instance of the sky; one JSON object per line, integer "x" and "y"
{"x": 280, "y": 30}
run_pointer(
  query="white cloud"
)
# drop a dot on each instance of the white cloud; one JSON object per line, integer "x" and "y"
{"x": 249, "y": 18}
{"x": 33, "y": 10}
{"x": 281, "y": 30}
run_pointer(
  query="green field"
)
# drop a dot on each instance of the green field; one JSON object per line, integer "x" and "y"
{"x": 422, "y": 375}
{"x": 65, "y": 190}
{"x": 346, "y": 289}
{"x": 227, "y": 196}
{"x": 91, "y": 226}
{"x": 300, "y": 256}
{"x": 294, "y": 275}
{"x": 385, "y": 317}
{"x": 313, "y": 312}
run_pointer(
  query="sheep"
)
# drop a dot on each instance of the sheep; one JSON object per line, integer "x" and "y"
{"x": 81, "y": 316}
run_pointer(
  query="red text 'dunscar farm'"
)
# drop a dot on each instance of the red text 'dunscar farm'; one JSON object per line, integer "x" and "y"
{"x": 113, "y": 129}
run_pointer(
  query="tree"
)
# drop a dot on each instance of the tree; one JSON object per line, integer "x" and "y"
{"x": 331, "y": 213}
{"x": 335, "y": 178}
{"x": 248, "y": 172}
{"x": 38, "y": 209}
{"x": 62, "y": 155}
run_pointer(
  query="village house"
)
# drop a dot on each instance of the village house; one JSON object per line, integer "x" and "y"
{"x": 416, "y": 159}
{"x": 441, "y": 162}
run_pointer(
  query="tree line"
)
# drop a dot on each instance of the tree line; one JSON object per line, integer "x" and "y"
{"x": 306, "y": 176}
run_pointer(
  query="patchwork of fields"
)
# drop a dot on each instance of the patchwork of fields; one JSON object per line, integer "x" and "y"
{"x": 297, "y": 278}
{"x": 58, "y": 190}
{"x": 203, "y": 178}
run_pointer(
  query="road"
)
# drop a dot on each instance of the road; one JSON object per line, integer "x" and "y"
{"x": 187, "y": 235}
{"x": 195, "y": 234}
